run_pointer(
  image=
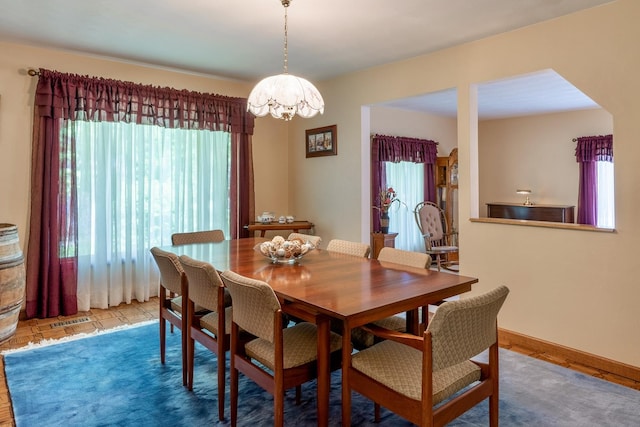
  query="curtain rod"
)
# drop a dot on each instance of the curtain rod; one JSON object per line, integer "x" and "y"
{"x": 575, "y": 140}
{"x": 33, "y": 72}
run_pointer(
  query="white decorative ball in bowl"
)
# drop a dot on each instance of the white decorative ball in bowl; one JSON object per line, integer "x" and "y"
{"x": 282, "y": 251}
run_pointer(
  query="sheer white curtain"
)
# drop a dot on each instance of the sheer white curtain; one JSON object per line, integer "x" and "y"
{"x": 138, "y": 184}
{"x": 605, "y": 195}
{"x": 408, "y": 180}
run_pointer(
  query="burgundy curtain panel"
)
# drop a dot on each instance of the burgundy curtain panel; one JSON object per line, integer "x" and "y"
{"x": 401, "y": 149}
{"x": 51, "y": 253}
{"x": 589, "y": 150}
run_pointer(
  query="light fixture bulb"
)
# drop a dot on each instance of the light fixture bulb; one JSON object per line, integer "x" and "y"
{"x": 285, "y": 95}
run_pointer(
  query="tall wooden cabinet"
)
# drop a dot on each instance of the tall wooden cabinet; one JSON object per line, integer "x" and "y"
{"x": 447, "y": 191}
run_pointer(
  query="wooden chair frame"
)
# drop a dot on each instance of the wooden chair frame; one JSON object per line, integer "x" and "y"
{"x": 168, "y": 314}
{"x": 218, "y": 345}
{"x": 442, "y": 242}
{"x": 422, "y": 412}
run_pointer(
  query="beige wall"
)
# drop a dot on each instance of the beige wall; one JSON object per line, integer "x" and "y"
{"x": 394, "y": 122}
{"x": 573, "y": 288}
{"x": 16, "y": 101}
{"x": 537, "y": 153}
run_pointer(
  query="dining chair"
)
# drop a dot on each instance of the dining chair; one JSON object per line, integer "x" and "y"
{"x": 278, "y": 358}
{"x": 213, "y": 329}
{"x": 362, "y": 339}
{"x": 207, "y": 236}
{"x": 349, "y": 248}
{"x": 314, "y": 240}
{"x": 435, "y": 366}
{"x": 173, "y": 296}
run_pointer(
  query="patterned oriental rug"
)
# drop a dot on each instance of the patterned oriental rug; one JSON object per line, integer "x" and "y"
{"x": 116, "y": 379}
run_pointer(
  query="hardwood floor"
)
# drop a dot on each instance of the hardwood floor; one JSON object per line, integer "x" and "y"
{"x": 36, "y": 330}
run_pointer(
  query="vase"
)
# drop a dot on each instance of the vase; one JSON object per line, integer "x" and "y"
{"x": 384, "y": 222}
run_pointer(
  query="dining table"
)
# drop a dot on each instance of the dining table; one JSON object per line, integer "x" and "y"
{"x": 324, "y": 286}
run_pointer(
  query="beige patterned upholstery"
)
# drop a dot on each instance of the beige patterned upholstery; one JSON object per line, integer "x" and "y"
{"x": 300, "y": 346}
{"x": 172, "y": 308}
{"x": 314, "y": 240}
{"x": 349, "y": 248}
{"x": 255, "y": 304}
{"x": 208, "y": 236}
{"x": 381, "y": 362}
{"x": 362, "y": 339}
{"x": 288, "y": 353}
{"x": 205, "y": 289}
{"x": 406, "y": 258}
{"x": 458, "y": 331}
{"x": 464, "y": 328}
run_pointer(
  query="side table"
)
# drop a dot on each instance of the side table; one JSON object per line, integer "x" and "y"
{"x": 380, "y": 240}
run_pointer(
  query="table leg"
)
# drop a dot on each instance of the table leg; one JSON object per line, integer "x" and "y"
{"x": 413, "y": 322}
{"x": 346, "y": 362}
{"x": 324, "y": 369}
{"x": 262, "y": 233}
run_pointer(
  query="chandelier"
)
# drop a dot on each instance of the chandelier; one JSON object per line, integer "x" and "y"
{"x": 285, "y": 95}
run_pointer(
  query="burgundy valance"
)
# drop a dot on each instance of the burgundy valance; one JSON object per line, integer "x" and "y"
{"x": 403, "y": 149}
{"x": 595, "y": 148}
{"x": 71, "y": 96}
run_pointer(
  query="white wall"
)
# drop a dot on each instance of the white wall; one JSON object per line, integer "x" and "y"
{"x": 574, "y": 288}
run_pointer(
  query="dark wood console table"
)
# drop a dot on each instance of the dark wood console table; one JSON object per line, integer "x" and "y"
{"x": 294, "y": 226}
{"x": 553, "y": 213}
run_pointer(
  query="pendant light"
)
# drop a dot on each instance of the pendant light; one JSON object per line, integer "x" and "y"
{"x": 285, "y": 95}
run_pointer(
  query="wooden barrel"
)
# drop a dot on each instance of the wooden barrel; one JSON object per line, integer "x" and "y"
{"x": 12, "y": 280}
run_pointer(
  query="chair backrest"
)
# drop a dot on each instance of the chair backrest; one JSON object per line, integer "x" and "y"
{"x": 204, "y": 282}
{"x": 408, "y": 258}
{"x": 254, "y": 304}
{"x": 431, "y": 220}
{"x": 349, "y": 248}
{"x": 314, "y": 240}
{"x": 171, "y": 271}
{"x": 207, "y": 236}
{"x": 464, "y": 328}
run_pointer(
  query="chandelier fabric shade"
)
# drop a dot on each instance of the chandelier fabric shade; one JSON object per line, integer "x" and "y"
{"x": 285, "y": 95}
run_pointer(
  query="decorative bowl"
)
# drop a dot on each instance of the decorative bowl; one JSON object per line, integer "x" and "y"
{"x": 282, "y": 251}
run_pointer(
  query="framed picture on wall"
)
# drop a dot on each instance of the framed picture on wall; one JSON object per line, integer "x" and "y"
{"x": 322, "y": 141}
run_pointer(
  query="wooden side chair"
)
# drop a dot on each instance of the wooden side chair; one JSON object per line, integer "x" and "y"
{"x": 207, "y": 236}
{"x": 173, "y": 296}
{"x": 278, "y": 358}
{"x": 314, "y": 240}
{"x": 434, "y": 366}
{"x": 213, "y": 329}
{"x": 362, "y": 339}
{"x": 439, "y": 241}
{"x": 349, "y": 248}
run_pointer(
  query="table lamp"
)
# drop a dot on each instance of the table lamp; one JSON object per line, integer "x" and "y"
{"x": 527, "y": 202}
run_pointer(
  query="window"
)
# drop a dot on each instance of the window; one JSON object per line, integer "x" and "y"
{"x": 605, "y": 195}
{"x": 136, "y": 185}
{"x": 407, "y": 179}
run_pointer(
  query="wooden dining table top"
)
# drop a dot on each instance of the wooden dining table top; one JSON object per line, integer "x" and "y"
{"x": 353, "y": 289}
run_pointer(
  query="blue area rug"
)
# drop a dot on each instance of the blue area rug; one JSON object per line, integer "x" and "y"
{"x": 116, "y": 379}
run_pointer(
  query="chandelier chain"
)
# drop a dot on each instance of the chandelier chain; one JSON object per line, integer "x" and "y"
{"x": 285, "y": 3}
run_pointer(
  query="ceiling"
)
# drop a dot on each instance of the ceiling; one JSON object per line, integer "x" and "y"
{"x": 243, "y": 39}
